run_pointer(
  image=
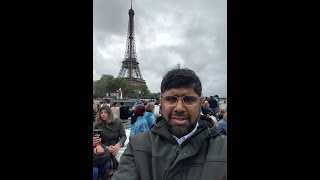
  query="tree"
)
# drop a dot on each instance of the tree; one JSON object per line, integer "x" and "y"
{"x": 144, "y": 91}
{"x": 99, "y": 89}
{"x": 109, "y": 84}
{"x": 94, "y": 88}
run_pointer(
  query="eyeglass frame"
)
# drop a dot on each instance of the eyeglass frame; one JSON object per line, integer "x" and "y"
{"x": 180, "y": 98}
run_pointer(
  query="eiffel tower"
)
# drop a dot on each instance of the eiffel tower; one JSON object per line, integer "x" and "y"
{"x": 130, "y": 67}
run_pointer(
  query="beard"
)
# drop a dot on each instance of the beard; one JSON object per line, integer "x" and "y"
{"x": 180, "y": 130}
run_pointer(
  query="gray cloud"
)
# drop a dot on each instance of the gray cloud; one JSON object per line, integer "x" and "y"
{"x": 192, "y": 33}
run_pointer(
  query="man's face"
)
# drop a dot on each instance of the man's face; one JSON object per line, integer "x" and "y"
{"x": 181, "y": 119}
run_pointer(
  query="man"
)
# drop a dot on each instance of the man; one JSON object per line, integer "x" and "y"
{"x": 149, "y": 116}
{"x": 181, "y": 144}
{"x": 124, "y": 111}
{"x": 217, "y": 109}
{"x": 138, "y": 103}
{"x": 156, "y": 109}
{"x": 222, "y": 125}
{"x": 213, "y": 105}
{"x": 105, "y": 102}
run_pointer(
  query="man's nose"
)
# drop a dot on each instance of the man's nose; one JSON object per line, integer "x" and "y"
{"x": 179, "y": 106}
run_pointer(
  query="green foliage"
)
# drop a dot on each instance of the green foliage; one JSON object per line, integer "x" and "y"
{"x": 142, "y": 90}
{"x": 99, "y": 88}
{"x": 108, "y": 83}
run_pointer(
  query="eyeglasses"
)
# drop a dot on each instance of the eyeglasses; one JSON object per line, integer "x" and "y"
{"x": 187, "y": 100}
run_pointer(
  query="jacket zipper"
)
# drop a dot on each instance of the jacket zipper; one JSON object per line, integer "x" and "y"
{"x": 178, "y": 149}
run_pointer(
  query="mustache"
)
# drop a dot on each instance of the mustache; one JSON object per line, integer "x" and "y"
{"x": 179, "y": 114}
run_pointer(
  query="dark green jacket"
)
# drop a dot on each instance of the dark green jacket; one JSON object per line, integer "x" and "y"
{"x": 155, "y": 155}
{"x": 112, "y": 133}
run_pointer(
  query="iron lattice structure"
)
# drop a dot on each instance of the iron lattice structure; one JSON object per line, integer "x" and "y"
{"x": 130, "y": 67}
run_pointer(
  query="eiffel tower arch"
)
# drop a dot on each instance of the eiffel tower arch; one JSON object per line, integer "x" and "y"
{"x": 130, "y": 70}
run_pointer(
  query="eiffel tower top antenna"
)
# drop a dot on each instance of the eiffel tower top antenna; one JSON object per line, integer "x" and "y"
{"x": 131, "y": 4}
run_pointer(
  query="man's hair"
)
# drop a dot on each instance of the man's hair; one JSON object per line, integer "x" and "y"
{"x": 178, "y": 78}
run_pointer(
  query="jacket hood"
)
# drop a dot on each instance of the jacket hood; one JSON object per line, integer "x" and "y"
{"x": 148, "y": 114}
{"x": 205, "y": 121}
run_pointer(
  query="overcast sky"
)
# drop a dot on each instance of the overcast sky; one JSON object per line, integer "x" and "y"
{"x": 192, "y": 33}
